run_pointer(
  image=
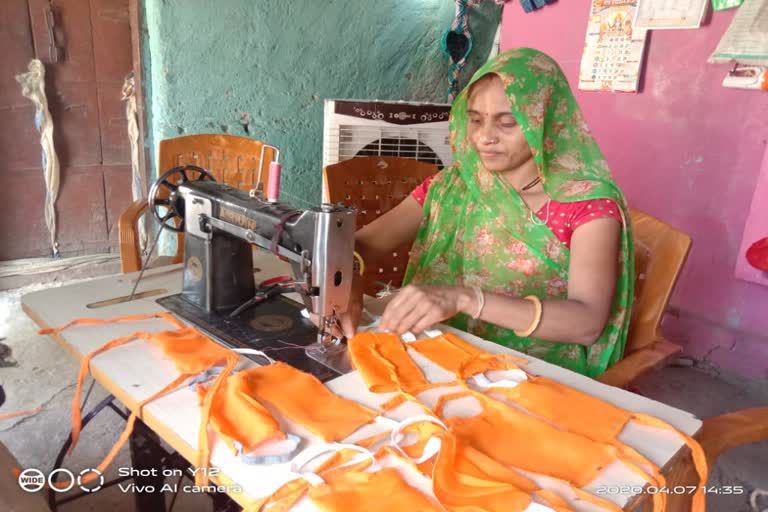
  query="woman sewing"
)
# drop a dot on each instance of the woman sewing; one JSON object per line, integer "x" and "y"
{"x": 524, "y": 240}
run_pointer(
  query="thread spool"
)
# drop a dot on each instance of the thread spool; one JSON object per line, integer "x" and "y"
{"x": 273, "y": 189}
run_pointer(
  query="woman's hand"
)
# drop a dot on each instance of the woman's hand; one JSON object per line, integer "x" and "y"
{"x": 349, "y": 320}
{"x": 416, "y": 308}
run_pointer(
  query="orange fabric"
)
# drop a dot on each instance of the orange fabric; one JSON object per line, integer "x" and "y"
{"x": 286, "y": 496}
{"x": 372, "y": 440}
{"x": 126, "y": 432}
{"x": 99, "y": 321}
{"x": 9, "y": 415}
{"x": 548, "y": 450}
{"x": 238, "y": 417}
{"x": 529, "y": 443}
{"x": 476, "y": 464}
{"x": 303, "y": 399}
{"x": 597, "y": 420}
{"x": 556, "y": 403}
{"x": 190, "y": 350}
{"x": 697, "y": 453}
{"x": 191, "y": 353}
{"x": 203, "y": 441}
{"x": 462, "y": 358}
{"x": 465, "y": 479}
{"x": 382, "y": 491}
{"x": 384, "y": 364}
{"x": 568, "y": 456}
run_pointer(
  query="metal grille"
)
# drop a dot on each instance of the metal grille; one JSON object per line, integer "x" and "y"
{"x": 419, "y": 143}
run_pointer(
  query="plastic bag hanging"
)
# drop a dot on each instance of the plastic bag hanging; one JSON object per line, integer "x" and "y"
{"x": 138, "y": 174}
{"x": 457, "y": 45}
{"x": 33, "y": 87}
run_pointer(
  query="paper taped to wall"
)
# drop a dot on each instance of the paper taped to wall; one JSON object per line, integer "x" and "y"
{"x": 656, "y": 14}
{"x": 746, "y": 39}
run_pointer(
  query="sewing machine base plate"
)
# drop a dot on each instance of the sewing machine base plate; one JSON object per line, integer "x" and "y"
{"x": 336, "y": 357}
{"x": 275, "y": 327}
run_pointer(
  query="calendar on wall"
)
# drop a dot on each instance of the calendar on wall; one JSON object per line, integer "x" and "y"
{"x": 613, "y": 50}
{"x": 654, "y": 14}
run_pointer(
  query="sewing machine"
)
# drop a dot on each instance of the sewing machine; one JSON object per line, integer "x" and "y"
{"x": 220, "y": 225}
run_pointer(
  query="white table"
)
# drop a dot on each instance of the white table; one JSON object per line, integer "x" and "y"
{"x": 134, "y": 371}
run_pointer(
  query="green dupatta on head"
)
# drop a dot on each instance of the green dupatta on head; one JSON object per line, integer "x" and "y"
{"x": 477, "y": 231}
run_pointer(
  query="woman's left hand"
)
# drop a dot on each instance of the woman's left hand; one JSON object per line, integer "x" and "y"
{"x": 416, "y": 308}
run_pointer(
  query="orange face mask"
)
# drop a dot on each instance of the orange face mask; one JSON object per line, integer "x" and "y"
{"x": 339, "y": 484}
{"x": 556, "y": 403}
{"x": 461, "y": 358}
{"x": 303, "y": 399}
{"x": 598, "y": 420}
{"x": 384, "y": 364}
{"x": 240, "y": 420}
{"x": 465, "y": 361}
{"x": 519, "y": 440}
{"x": 464, "y": 478}
{"x": 381, "y": 491}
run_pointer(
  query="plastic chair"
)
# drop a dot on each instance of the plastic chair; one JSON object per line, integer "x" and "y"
{"x": 660, "y": 253}
{"x": 374, "y": 185}
{"x": 232, "y": 160}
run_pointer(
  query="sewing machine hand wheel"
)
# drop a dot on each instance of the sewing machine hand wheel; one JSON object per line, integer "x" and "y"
{"x": 164, "y": 193}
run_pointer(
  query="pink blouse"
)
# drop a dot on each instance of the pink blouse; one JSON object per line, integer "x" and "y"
{"x": 561, "y": 218}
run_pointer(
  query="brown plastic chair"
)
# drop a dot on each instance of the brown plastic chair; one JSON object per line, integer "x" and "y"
{"x": 232, "y": 160}
{"x": 660, "y": 253}
{"x": 374, "y": 185}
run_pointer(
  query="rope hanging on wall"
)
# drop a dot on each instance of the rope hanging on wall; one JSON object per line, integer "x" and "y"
{"x": 138, "y": 177}
{"x": 33, "y": 87}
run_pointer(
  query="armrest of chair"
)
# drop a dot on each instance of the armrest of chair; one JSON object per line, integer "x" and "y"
{"x": 130, "y": 251}
{"x": 638, "y": 363}
{"x": 721, "y": 433}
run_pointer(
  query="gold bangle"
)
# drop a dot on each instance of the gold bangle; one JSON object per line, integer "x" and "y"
{"x": 536, "y": 319}
{"x": 360, "y": 261}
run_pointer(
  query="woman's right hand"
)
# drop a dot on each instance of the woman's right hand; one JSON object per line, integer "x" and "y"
{"x": 375, "y": 242}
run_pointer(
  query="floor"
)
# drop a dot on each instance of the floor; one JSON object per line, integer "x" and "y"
{"x": 35, "y": 371}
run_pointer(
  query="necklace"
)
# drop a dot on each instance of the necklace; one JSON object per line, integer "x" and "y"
{"x": 531, "y": 184}
{"x": 534, "y": 218}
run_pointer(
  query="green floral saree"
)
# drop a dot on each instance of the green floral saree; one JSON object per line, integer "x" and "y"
{"x": 477, "y": 231}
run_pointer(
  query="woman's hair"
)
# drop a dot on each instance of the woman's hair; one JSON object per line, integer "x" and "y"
{"x": 483, "y": 79}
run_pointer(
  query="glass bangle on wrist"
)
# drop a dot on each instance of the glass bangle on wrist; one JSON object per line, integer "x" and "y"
{"x": 536, "y": 318}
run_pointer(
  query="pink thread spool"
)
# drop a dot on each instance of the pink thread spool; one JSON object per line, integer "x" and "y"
{"x": 273, "y": 189}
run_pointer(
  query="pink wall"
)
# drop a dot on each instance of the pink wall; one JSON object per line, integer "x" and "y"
{"x": 756, "y": 228}
{"x": 685, "y": 150}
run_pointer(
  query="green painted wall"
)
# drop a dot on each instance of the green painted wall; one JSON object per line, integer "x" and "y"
{"x": 261, "y": 68}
